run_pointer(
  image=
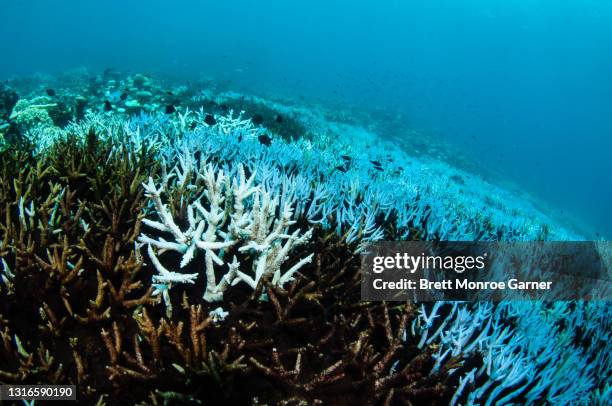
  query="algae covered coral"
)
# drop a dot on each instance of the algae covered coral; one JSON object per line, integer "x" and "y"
{"x": 195, "y": 255}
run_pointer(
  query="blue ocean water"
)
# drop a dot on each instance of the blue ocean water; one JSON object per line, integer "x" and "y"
{"x": 522, "y": 87}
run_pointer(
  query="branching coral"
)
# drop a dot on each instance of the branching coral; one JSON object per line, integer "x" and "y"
{"x": 67, "y": 256}
{"x": 101, "y": 217}
{"x": 227, "y": 213}
{"x": 516, "y": 368}
{"x": 90, "y": 318}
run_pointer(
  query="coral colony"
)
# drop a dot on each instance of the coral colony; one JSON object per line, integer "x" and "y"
{"x": 169, "y": 244}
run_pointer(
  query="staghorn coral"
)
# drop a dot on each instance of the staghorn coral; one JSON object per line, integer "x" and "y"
{"x": 69, "y": 243}
{"x": 82, "y": 306}
{"x": 220, "y": 224}
{"x": 517, "y": 369}
{"x": 284, "y": 350}
{"x": 77, "y": 304}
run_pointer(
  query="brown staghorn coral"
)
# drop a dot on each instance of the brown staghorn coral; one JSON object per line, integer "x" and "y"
{"x": 80, "y": 309}
{"x": 312, "y": 343}
{"x": 70, "y": 218}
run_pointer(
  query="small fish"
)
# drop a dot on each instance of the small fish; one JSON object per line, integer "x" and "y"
{"x": 210, "y": 120}
{"x": 169, "y": 93}
{"x": 170, "y": 109}
{"x": 107, "y": 106}
{"x": 279, "y": 118}
{"x": 224, "y": 107}
{"x": 193, "y": 126}
{"x": 123, "y": 96}
{"x": 265, "y": 140}
{"x": 376, "y": 163}
{"x": 342, "y": 168}
{"x": 50, "y": 92}
{"x": 378, "y": 168}
{"x": 346, "y": 158}
{"x": 257, "y": 119}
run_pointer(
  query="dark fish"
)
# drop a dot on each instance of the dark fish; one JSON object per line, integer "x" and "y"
{"x": 346, "y": 158}
{"x": 170, "y": 109}
{"x": 107, "y": 106}
{"x": 376, "y": 163}
{"x": 169, "y": 93}
{"x": 342, "y": 168}
{"x": 457, "y": 179}
{"x": 378, "y": 168}
{"x": 279, "y": 118}
{"x": 240, "y": 138}
{"x": 210, "y": 120}
{"x": 224, "y": 107}
{"x": 123, "y": 96}
{"x": 265, "y": 140}
{"x": 193, "y": 126}
{"x": 257, "y": 119}
{"x": 50, "y": 92}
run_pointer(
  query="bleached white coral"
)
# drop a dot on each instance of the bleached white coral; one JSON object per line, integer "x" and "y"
{"x": 227, "y": 211}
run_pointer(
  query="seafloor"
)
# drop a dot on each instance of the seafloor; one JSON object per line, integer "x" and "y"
{"x": 167, "y": 243}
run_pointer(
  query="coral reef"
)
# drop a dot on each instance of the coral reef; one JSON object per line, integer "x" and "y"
{"x": 70, "y": 221}
{"x": 75, "y": 287}
{"x": 8, "y": 99}
{"x": 8, "y": 129}
{"x": 224, "y": 224}
{"x": 526, "y": 356}
{"x": 33, "y": 113}
{"x": 159, "y": 256}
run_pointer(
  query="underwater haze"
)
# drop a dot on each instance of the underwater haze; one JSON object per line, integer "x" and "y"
{"x": 523, "y": 88}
